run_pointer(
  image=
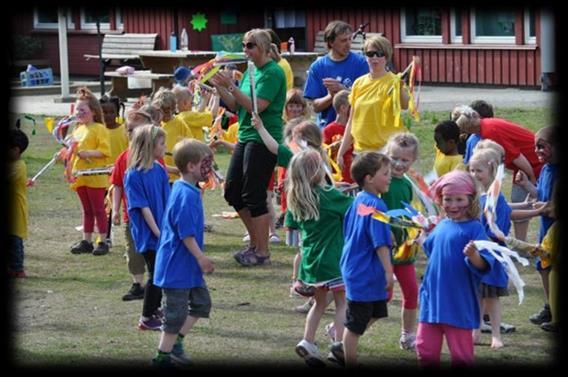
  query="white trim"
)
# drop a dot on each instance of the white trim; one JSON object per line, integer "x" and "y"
{"x": 415, "y": 38}
{"x": 528, "y": 39}
{"x": 92, "y": 25}
{"x": 453, "y": 37}
{"x": 488, "y": 40}
{"x": 51, "y": 25}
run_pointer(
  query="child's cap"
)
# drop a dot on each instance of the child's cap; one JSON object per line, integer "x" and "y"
{"x": 456, "y": 182}
{"x": 181, "y": 74}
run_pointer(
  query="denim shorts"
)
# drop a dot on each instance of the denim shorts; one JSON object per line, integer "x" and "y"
{"x": 179, "y": 303}
{"x": 359, "y": 314}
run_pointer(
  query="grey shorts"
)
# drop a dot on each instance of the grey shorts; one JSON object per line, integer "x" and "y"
{"x": 179, "y": 303}
{"x": 518, "y": 193}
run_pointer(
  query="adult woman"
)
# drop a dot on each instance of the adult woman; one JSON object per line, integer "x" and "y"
{"x": 251, "y": 163}
{"x": 372, "y": 118}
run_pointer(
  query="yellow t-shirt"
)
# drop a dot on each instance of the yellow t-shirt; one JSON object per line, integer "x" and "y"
{"x": 196, "y": 120}
{"x": 94, "y": 136}
{"x": 175, "y": 130}
{"x": 550, "y": 246}
{"x": 373, "y": 115}
{"x": 118, "y": 141}
{"x": 17, "y": 178}
{"x": 285, "y": 65}
{"x": 444, "y": 164}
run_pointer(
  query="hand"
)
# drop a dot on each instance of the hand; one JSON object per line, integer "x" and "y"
{"x": 333, "y": 85}
{"x": 499, "y": 235}
{"x": 220, "y": 79}
{"x": 390, "y": 280}
{"x": 469, "y": 250}
{"x": 30, "y": 183}
{"x": 256, "y": 121}
{"x": 115, "y": 218}
{"x": 521, "y": 178}
{"x": 83, "y": 154}
{"x": 206, "y": 264}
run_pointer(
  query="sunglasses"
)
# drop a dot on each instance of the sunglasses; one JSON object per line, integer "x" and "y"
{"x": 249, "y": 45}
{"x": 378, "y": 54}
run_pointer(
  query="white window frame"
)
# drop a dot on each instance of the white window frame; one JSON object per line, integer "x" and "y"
{"x": 415, "y": 38}
{"x": 103, "y": 25}
{"x": 51, "y": 25}
{"x": 529, "y": 40}
{"x": 453, "y": 37}
{"x": 486, "y": 40}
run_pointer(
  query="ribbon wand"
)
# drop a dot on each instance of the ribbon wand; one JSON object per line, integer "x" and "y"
{"x": 250, "y": 66}
{"x": 44, "y": 168}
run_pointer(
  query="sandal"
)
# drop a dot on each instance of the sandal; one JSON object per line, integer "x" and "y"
{"x": 253, "y": 259}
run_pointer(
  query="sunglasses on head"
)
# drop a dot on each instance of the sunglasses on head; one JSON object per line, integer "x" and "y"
{"x": 249, "y": 45}
{"x": 379, "y": 54}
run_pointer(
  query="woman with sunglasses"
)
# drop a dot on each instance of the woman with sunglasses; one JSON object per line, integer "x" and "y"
{"x": 372, "y": 118}
{"x": 252, "y": 164}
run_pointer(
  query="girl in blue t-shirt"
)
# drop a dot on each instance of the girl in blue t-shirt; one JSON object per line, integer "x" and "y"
{"x": 449, "y": 305}
{"x": 147, "y": 189}
{"x": 483, "y": 167}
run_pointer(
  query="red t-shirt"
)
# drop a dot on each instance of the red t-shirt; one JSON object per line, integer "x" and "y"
{"x": 514, "y": 139}
{"x": 117, "y": 177}
{"x": 331, "y": 130}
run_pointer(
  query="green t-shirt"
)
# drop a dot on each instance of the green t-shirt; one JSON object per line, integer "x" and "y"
{"x": 400, "y": 189}
{"x": 322, "y": 240}
{"x": 284, "y": 156}
{"x": 270, "y": 85}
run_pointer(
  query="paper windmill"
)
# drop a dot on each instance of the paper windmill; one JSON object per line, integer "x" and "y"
{"x": 198, "y": 21}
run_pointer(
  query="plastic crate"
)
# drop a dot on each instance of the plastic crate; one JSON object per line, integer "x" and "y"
{"x": 37, "y": 77}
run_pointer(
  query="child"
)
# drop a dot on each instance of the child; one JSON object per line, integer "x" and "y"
{"x": 180, "y": 261}
{"x": 117, "y": 132}
{"x": 92, "y": 151}
{"x": 195, "y": 120}
{"x": 317, "y": 210}
{"x": 17, "y": 180}
{"x": 545, "y": 149}
{"x": 175, "y": 128}
{"x": 147, "y": 189}
{"x": 449, "y": 304}
{"x": 447, "y": 136}
{"x": 402, "y": 149}
{"x": 483, "y": 167}
{"x": 365, "y": 263}
{"x": 333, "y": 132}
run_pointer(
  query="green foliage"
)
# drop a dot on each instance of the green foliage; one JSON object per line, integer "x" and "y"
{"x": 26, "y": 47}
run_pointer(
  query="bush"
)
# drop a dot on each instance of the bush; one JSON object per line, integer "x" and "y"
{"x": 26, "y": 47}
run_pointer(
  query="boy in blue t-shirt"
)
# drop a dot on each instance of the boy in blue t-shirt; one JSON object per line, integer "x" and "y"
{"x": 366, "y": 260}
{"x": 180, "y": 261}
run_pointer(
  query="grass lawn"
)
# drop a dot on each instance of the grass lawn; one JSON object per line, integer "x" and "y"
{"x": 69, "y": 311}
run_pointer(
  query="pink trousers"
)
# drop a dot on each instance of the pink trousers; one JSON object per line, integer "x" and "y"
{"x": 93, "y": 203}
{"x": 429, "y": 339}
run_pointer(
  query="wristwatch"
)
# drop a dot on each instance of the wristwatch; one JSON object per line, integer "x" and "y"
{"x": 231, "y": 88}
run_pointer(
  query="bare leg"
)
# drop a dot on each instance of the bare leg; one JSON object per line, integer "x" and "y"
{"x": 245, "y": 216}
{"x": 350, "y": 341}
{"x": 340, "y": 307}
{"x": 271, "y": 213}
{"x": 314, "y": 315}
{"x": 545, "y": 282}
{"x": 476, "y": 333}
{"x": 259, "y": 233}
{"x": 494, "y": 309}
{"x": 521, "y": 229}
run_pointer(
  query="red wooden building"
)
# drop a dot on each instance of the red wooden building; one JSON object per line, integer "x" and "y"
{"x": 472, "y": 46}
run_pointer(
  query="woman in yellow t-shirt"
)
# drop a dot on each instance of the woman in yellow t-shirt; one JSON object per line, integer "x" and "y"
{"x": 92, "y": 151}
{"x": 373, "y": 116}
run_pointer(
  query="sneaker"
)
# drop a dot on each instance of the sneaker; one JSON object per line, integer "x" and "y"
{"x": 253, "y": 259}
{"x": 153, "y": 323}
{"x": 550, "y": 327}
{"x": 82, "y": 247}
{"x": 164, "y": 362}
{"x": 303, "y": 289}
{"x": 274, "y": 238}
{"x": 310, "y": 353}
{"x": 159, "y": 313}
{"x": 136, "y": 292}
{"x": 17, "y": 274}
{"x": 208, "y": 228}
{"x": 336, "y": 350}
{"x": 541, "y": 317}
{"x": 246, "y": 250}
{"x": 246, "y": 238}
{"x": 101, "y": 249}
{"x": 485, "y": 327}
{"x": 330, "y": 331}
{"x": 305, "y": 307}
{"x": 178, "y": 355}
{"x": 407, "y": 342}
{"x": 108, "y": 241}
{"x": 505, "y": 328}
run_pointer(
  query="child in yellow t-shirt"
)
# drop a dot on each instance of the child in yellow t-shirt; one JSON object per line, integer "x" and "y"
{"x": 17, "y": 180}
{"x": 202, "y": 117}
{"x": 116, "y": 129}
{"x": 447, "y": 137}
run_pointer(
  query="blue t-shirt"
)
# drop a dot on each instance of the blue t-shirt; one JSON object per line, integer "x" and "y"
{"x": 347, "y": 71}
{"x": 146, "y": 189}
{"x": 361, "y": 268}
{"x": 544, "y": 187}
{"x": 470, "y": 143}
{"x": 497, "y": 277}
{"x": 176, "y": 267}
{"x": 450, "y": 287}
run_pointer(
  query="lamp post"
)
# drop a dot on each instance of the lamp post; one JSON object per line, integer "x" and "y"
{"x": 101, "y": 62}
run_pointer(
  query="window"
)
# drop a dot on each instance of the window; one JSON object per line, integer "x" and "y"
{"x": 456, "y": 26}
{"x": 421, "y": 25}
{"x": 493, "y": 26}
{"x": 45, "y": 17}
{"x": 89, "y": 18}
{"x": 530, "y": 26}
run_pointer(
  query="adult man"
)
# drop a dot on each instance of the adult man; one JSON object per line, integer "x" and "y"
{"x": 335, "y": 71}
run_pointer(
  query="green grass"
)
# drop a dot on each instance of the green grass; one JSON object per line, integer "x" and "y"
{"x": 69, "y": 310}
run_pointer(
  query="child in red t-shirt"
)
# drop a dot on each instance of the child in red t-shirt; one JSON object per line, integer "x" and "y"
{"x": 333, "y": 132}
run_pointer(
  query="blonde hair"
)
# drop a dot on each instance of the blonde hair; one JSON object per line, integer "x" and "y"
{"x": 304, "y": 175}
{"x": 85, "y": 94}
{"x": 164, "y": 98}
{"x": 296, "y": 95}
{"x": 490, "y": 144}
{"x": 289, "y": 128}
{"x": 189, "y": 150}
{"x": 402, "y": 140}
{"x": 144, "y": 141}
{"x": 150, "y": 115}
{"x": 341, "y": 98}
{"x": 489, "y": 157}
{"x": 182, "y": 93}
{"x": 310, "y": 133}
{"x": 464, "y": 115}
{"x": 474, "y": 209}
{"x": 379, "y": 43}
{"x": 261, "y": 37}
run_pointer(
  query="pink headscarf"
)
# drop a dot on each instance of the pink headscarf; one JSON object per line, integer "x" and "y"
{"x": 455, "y": 182}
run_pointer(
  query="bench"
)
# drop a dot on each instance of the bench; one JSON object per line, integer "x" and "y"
{"x": 320, "y": 45}
{"x": 121, "y": 89}
{"x": 117, "y": 49}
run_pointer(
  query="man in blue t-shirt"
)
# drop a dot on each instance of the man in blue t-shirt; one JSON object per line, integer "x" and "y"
{"x": 333, "y": 72}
